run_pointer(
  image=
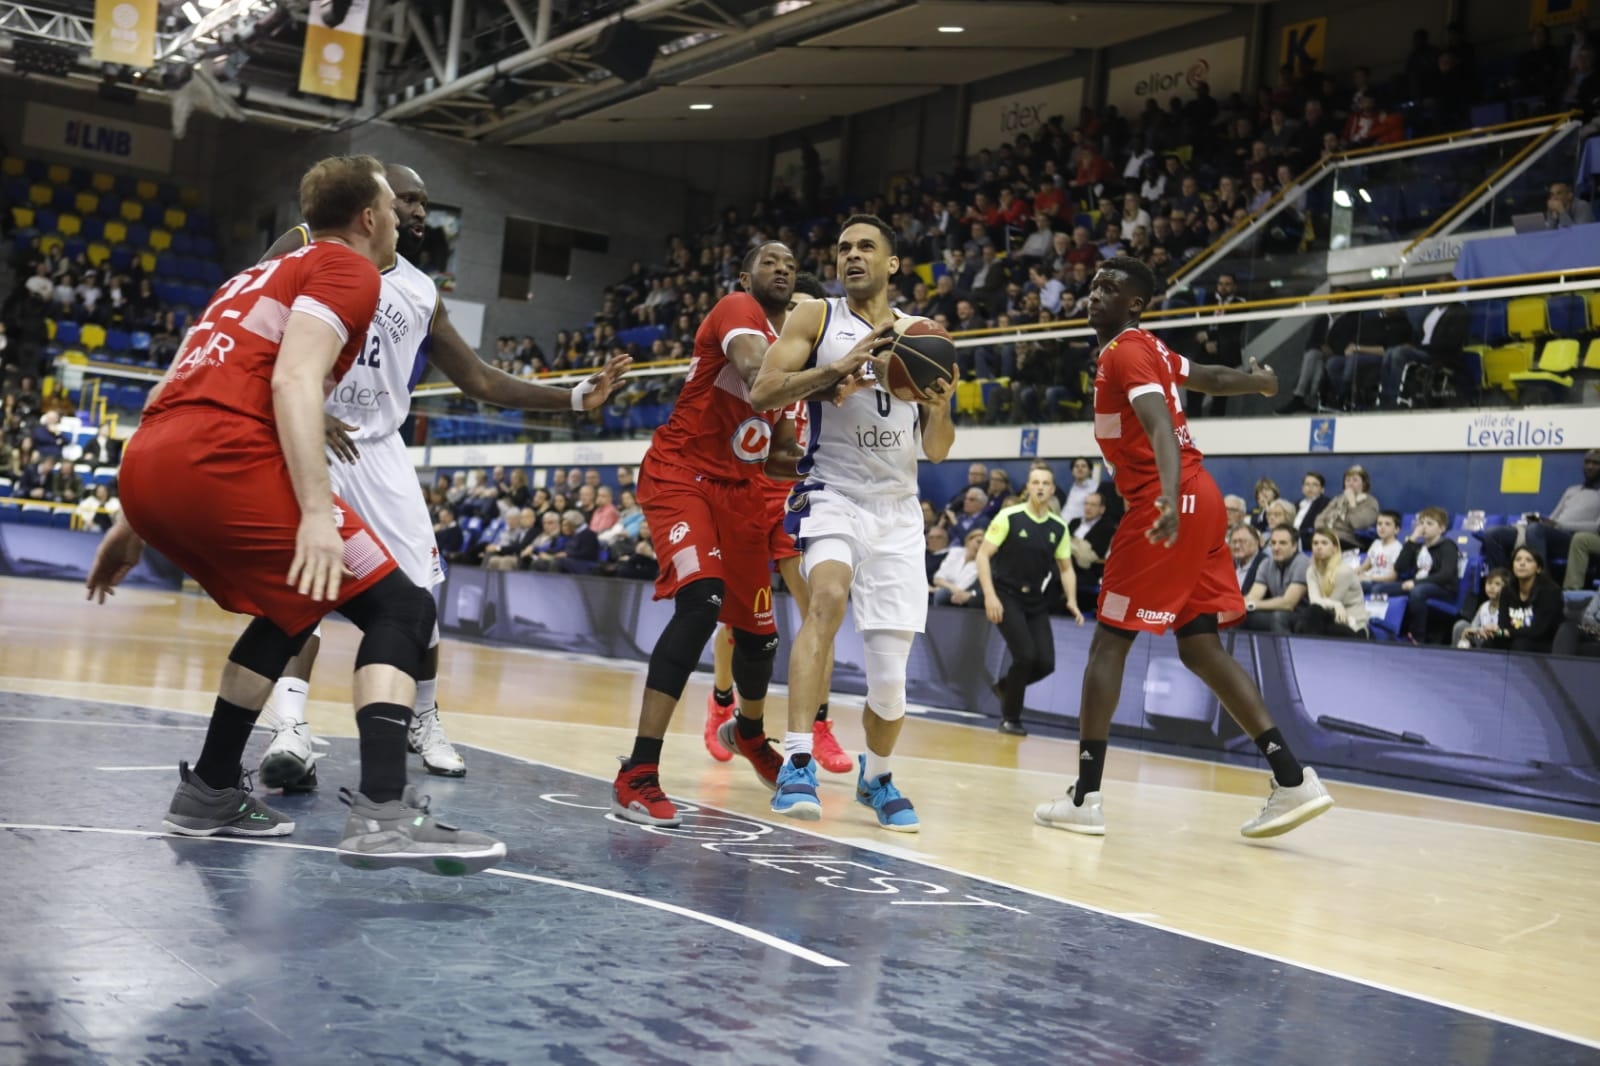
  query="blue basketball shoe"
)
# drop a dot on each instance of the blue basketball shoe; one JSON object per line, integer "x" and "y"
{"x": 894, "y": 810}
{"x": 797, "y": 791}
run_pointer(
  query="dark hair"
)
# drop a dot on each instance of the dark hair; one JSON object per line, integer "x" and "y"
{"x": 337, "y": 189}
{"x": 1294, "y": 534}
{"x": 1393, "y": 516}
{"x": 1248, "y": 528}
{"x": 1141, "y": 277}
{"x": 753, "y": 256}
{"x": 808, "y": 284}
{"x": 875, "y": 222}
{"x": 1320, "y": 479}
{"x": 1498, "y": 572}
{"x": 1544, "y": 569}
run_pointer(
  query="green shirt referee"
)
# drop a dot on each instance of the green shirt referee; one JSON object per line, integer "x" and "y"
{"x": 1025, "y": 563}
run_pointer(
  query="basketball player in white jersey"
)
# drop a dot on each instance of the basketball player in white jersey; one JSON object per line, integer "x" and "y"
{"x": 854, "y": 514}
{"x": 371, "y": 470}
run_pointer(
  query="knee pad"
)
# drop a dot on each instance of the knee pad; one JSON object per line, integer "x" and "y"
{"x": 694, "y": 621}
{"x": 887, "y": 652}
{"x": 821, "y": 550}
{"x": 396, "y": 619}
{"x": 753, "y": 655}
{"x": 265, "y": 649}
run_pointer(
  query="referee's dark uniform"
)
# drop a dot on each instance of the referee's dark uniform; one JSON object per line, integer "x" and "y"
{"x": 1025, "y": 569}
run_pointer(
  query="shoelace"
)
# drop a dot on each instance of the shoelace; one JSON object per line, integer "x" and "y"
{"x": 648, "y": 785}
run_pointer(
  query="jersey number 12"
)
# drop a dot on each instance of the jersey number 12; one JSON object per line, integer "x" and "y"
{"x": 369, "y": 357}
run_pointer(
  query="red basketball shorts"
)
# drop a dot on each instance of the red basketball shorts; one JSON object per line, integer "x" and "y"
{"x": 705, "y": 528}
{"x": 780, "y": 545}
{"x": 1154, "y": 588}
{"x": 212, "y": 493}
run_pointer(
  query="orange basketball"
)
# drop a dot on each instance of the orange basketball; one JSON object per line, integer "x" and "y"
{"x": 920, "y": 355}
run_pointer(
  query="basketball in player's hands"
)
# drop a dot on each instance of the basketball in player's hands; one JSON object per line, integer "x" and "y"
{"x": 920, "y": 355}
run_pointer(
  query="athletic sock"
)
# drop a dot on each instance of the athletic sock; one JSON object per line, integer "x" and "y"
{"x": 723, "y": 696}
{"x": 1091, "y": 764}
{"x": 877, "y": 765}
{"x": 427, "y": 695}
{"x": 382, "y": 727}
{"x": 289, "y": 697}
{"x": 822, "y": 713}
{"x": 797, "y": 748}
{"x": 749, "y": 728}
{"x": 226, "y": 737}
{"x": 1286, "y": 769}
{"x": 645, "y": 750}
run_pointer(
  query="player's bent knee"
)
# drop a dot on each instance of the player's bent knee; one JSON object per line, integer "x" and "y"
{"x": 695, "y": 611}
{"x": 887, "y": 651}
{"x": 753, "y": 655}
{"x": 396, "y": 619}
{"x": 265, "y": 650}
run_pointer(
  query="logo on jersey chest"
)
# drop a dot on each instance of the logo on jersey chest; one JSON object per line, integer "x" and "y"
{"x": 879, "y": 439}
{"x": 392, "y": 319}
{"x": 354, "y": 394}
{"x": 752, "y": 441}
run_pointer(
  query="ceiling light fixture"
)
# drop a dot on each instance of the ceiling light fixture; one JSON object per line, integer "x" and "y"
{"x": 191, "y": 13}
{"x": 701, "y": 107}
{"x": 952, "y": 29}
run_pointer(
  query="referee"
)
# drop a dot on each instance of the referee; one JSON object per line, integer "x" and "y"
{"x": 1026, "y": 547}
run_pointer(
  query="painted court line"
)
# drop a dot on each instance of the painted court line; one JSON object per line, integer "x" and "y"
{"x": 816, "y": 958}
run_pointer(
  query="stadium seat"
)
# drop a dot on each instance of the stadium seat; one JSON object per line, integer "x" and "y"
{"x": 50, "y": 243}
{"x": 118, "y": 341}
{"x": 1551, "y": 375}
{"x": 116, "y": 232}
{"x": 131, "y": 210}
{"x": 126, "y": 184}
{"x": 182, "y": 243}
{"x": 147, "y": 262}
{"x": 139, "y": 341}
{"x": 1528, "y": 318}
{"x": 93, "y": 337}
{"x": 152, "y": 214}
{"x": 160, "y": 240}
{"x": 22, "y": 217}
{"x": 39, "y": 195}
{"x": 69, "y": 225}
{"x": 68, "y": 333}
{"x": 86, "y": 203}
{"x": 97, "y": 253}
{"x": 146, "y": 190}
{"x": 174, "y": 218}
{"x": 189, "y": 197}
{"x": 138, "y": 234}
{"x": 94, "y": 228}
{"x": 1569, "y": 315}
{"x": 62, "y": 198}
{"x": 14, "y": 190}
{"x": 12, "y": 167}
{"x": 61, "y": 518}
{"x": 10, "y": 512}
{"x": 74, "y": 246}
{"x": 122, "y": 258}
{"x": 1502, "y": 363}
{"x": 35, "y": 514}
{"x": 101, "y": 182}
{"x": 5, "y": 486}
{"x": 58, "y": 174}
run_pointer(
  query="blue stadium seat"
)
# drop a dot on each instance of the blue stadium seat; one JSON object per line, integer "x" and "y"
{"x": 139, "y": 341}
{"x": 6, "y": 488}
{"x": 122, "y": 257}
{"x": 46, "y": 220}
{"x": 65, "y": 198}
{"x": 197, "y": 296}
{"x": 138, "y": 234}
{"x": 14, "y": 190}
{"x": 35, "y": 514}
{"x": 126, "y": 184}
{"x": 94, "y": 227}
{"x": 182, "y": 243}
{"x": 204, "y": 246}
{"x": 1488, "y": 321}
{"x": 1569, "y": 315}
{"x": 10, "y": 512}
{"x": 118, "y": 341}
{"x": 73, "y": 247}
{"x": 199, "y": 222}
{"x": 68, "y": 334}
{"x": 191, "y": 270}
{"x": 168, "y": 265}
{"x": 61, "y": 518}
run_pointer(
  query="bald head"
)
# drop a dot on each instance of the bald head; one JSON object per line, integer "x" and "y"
{"x": 410, "y": 207}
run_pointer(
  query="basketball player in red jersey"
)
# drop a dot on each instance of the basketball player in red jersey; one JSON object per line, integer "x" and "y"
{"x": 779, "y": 476}
{"x": 1168, "y": 566}
{"x": 700, "y": 489}
{"x": 228, "y": 479}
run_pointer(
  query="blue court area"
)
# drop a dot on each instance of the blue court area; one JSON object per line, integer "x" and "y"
{"x": 729, "y": 940}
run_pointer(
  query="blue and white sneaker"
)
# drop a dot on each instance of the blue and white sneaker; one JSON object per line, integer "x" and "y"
{"x": 894, "y": 810}
{"x": 797, "y": 792}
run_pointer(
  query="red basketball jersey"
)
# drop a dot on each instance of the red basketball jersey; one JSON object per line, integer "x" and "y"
{"x": 227, "y": 358}
{"x": 713, "y": 432}
{"x": 1134, "y": 364}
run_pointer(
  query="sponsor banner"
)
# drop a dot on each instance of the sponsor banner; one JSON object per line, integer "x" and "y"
{"x": 331, "y": 63}
{"x": 1322, "y": 434}
{"x": 1219, "y": 65}
{"x": 992, "y": 123}
{"x": 1515, "y": 724}
{"x": 789, "y": 167}
{"x": 61, "y": 130}
{"x": 125, "y": 32}
{"x": 1556, "y": 12}
{"x": 1304, "y": 44}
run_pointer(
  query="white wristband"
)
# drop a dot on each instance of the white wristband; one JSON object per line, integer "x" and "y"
{"x": 579, "y": 391}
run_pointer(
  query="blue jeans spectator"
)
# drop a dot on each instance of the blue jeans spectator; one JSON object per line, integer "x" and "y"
{"x": 1395, "y": 361}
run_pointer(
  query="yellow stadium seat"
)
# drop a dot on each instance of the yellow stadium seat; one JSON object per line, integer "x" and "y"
{"x": 147, "y": 262}
{"x": 102, "y": 182}
{"x": 969, "y": 398}
{"x": 1528, "y": 318}
{"x": 40, "y": 194}
{"x": 75, "y": 356}
{"x": 1591, "y": 358}
{"x": 93, "y": 337}
{"x": 69, "y": 225}
{"x": 58, "y": 174}
{"x": 12, "y": 167}
{"x": 51, "y": 243}
{"x": 146, "y": 190}
{"x": 87, "y": 203}
{"x": 116, "y": 232}
{"x": 1500, "y": 364}
{"x": 1557, "y": 361}
{"x": 22, "y": 217}
{"x": 925, "y": 272}
{"x": 160, "y": 240}
{"x": 132, "y": 210}
{"x": 189, "y": 197}
{"x": 175, "y": 218}
{"x": 50, "y": 328}
{"x": 97, "y": 253}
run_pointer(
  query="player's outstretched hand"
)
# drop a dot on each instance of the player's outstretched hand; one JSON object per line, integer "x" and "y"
{"x": 994, "y": 610}
{"x": 1164, "y": 530}
{"x": 318, "y": 564}
{"x": 119, "y": 552}
{"x": 605, "y": 382}
{"x": 337, "y": 434}
{"x": 939, "y": 395}
{"x": 1266, "y": 378}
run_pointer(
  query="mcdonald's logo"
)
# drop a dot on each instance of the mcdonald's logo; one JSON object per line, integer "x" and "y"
{"x": 762, "y": 604}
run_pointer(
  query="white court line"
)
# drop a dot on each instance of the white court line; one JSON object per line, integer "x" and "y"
{"x": 767, "y": 939}
{"x": 102, "y": 725}
{"x": 167, "y": 769}
{"x": 1037, "y": 894}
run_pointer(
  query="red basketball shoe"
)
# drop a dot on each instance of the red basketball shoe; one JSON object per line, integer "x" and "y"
{"x": 826, "y": 750}
{"x": 757, "y": 749}
{"x": 636, "y": 796}
{"x": 716, "y": 714}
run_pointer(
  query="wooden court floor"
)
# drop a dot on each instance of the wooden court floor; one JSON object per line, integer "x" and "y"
{"x": 1475, "y": 905}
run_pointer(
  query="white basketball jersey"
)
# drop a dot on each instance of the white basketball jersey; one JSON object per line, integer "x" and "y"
{"x": 375, "y": 394}
{"x": 867, "y": 447}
